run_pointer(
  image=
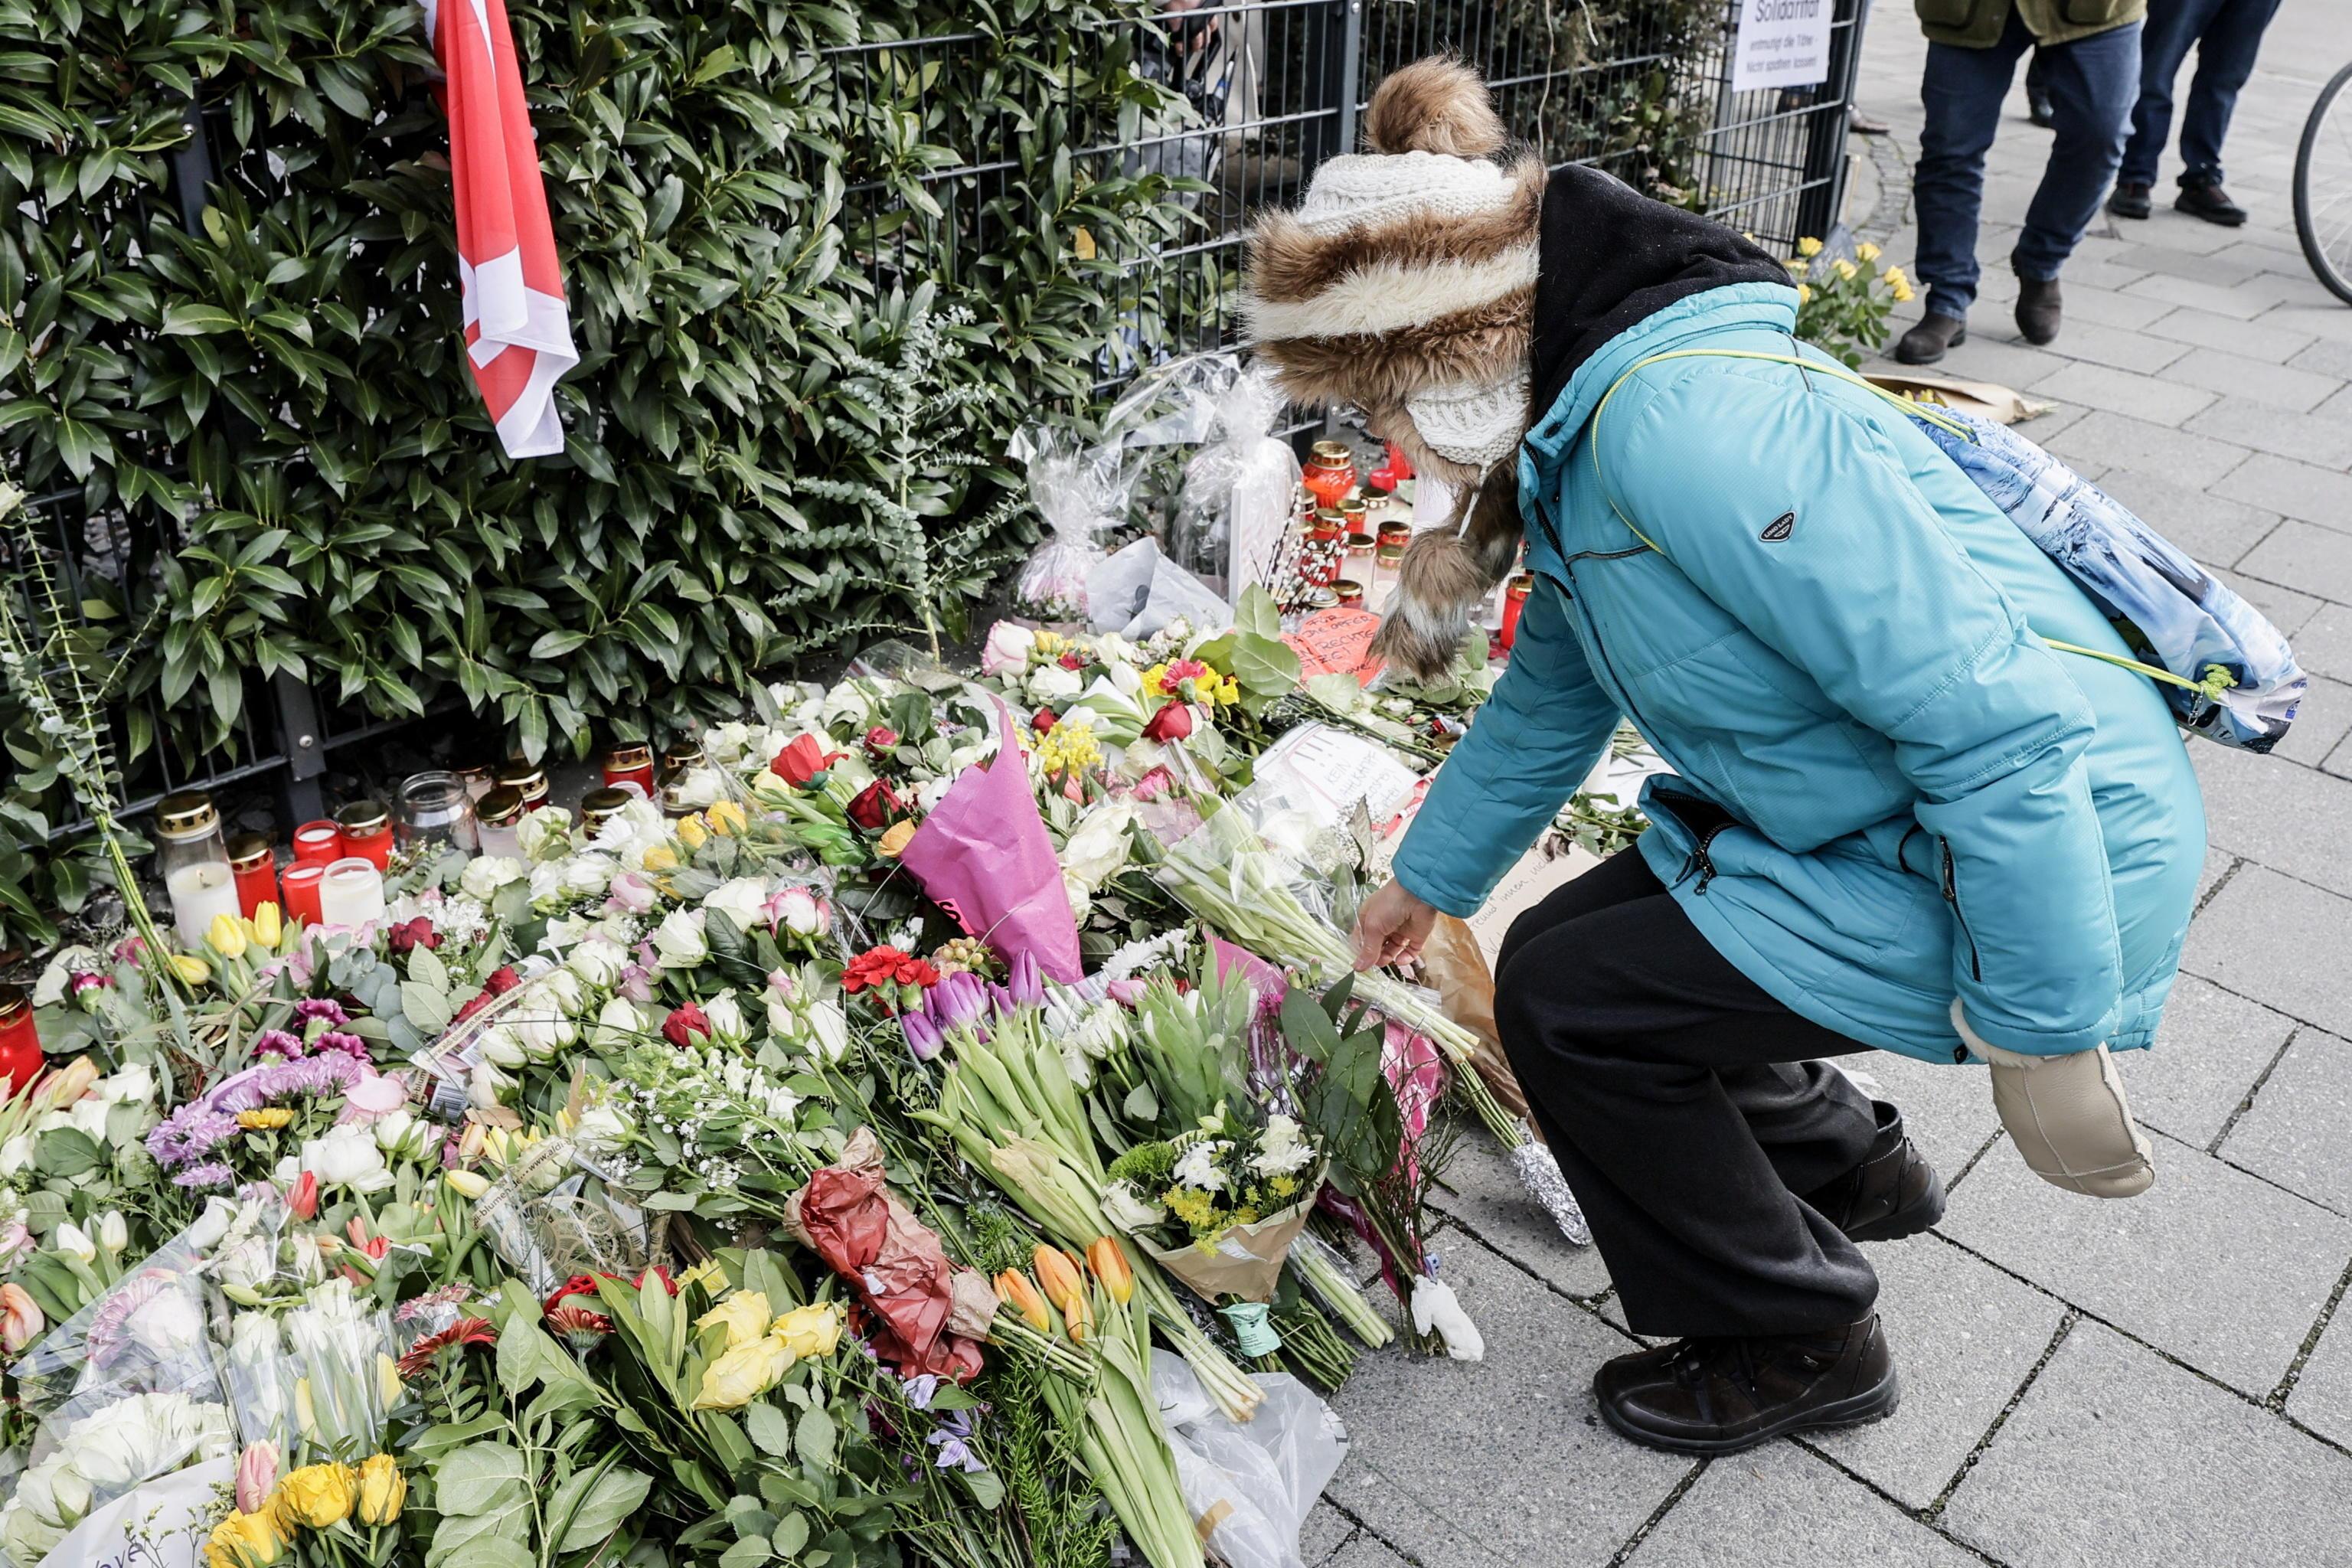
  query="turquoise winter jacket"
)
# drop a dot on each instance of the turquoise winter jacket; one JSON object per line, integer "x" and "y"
{"x": 1887, "y": 789}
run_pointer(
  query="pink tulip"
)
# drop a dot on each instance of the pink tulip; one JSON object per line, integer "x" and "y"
{"x": 21, "y": 1321}
{"x": 257, "y": 1476}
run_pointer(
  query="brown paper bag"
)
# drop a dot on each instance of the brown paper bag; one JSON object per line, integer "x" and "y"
{"x": 1453, "y": 967}
{"x": 1247, "y": 1260}
{"x": 1985, "y": 399}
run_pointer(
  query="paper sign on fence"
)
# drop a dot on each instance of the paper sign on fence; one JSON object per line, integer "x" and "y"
{"x": 1782, "y": 43}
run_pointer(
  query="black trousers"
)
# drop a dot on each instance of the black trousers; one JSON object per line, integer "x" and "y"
{"x": 1681, "y": 1102}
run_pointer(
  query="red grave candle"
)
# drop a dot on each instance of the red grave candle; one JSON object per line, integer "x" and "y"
{"x": 365, "y": 829}
{"x": 301, "y": 884}
{"x": 318, "y": 842}
{"x": 21, "y": 1060}
{"x": 255, "y": 867}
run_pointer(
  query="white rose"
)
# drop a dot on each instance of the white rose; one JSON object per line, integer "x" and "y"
{"x": 347, "y": 1156}
{"x": 698, "y": 787}
{"x": 559, "y": 990}
{"x": 212, "y": 1224}
{"x": 544, "y": 1033}
{"x": 587, "y": 875}
{"x": 679, "y": 940}
{"x": 486, "y": 874}
{"x": 134, "y": 1085}
{"x": 728, "y": 1024}
{"x": 1052, "y": 683}
{"x": 600, "y": 1127}
{"x": 1100, "y": 849}
{"x": 725, "y": 744}
{"x": 15, "y": 1154}
{"x": 930, "y": 792}
{"x": 620, "y": 1024}
{"x": 828, "y": 1030}
{"x": 498, "y": 1043}
{"x": 544, "y": 835}
{"x": 484, "y": 1085}
{"x": 599, "y": 962}
{"x": 547, "y": 887}
{"x": 1007, "y": 649}
{"x": 743, "y": 900}
{"x": 797, "y": 909}
{"x": 1128, "y": 1209}
{"x": 1081, "y": 897}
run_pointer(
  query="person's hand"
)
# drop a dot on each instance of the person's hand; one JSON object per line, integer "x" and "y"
{"x": 1391, "y": 926}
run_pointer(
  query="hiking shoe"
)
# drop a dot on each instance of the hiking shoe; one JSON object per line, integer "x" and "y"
{"x": 1892, "y": 1193}
{"x": 1928, "y": 338}
{"x": 2210, "y": 202}
{"x": 1720, "y": 1395}
{"x": 2129, "y": 199}
{"x": 2037, "y": 310}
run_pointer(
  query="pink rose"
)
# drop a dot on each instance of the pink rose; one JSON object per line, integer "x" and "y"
{"x": 372, "y": 1098}
{"x": 630, "y": 894}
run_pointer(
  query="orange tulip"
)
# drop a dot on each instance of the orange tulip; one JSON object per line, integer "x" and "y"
{"x": 1110, "y": 1267}
{"x": 1060, "y": 1277}
{"x": 1079, "y": 1317}
{"x": 1013, "y": 1288}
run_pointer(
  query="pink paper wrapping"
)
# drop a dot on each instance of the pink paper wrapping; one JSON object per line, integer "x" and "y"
{"x": 984, "y": 855}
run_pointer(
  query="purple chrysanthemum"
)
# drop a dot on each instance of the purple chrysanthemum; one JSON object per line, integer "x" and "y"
{"x": 211, "y": 1173}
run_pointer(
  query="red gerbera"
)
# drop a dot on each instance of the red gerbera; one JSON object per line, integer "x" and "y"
{"x": 580, "y": 1327}
{"x": 463, "y": 1332}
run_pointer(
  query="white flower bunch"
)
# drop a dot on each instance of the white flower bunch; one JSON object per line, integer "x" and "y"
{"x": 104, "y": 1455}
{"x": 486, "y": 874}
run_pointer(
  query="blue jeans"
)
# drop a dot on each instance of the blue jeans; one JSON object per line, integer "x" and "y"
{"x": 2092, "y": 82}
{"x": 2228, "y": 35}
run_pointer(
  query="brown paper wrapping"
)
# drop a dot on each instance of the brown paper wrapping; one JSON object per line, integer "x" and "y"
{"x": 1247, "y": 1260}
{"x": 1453, "y": 967}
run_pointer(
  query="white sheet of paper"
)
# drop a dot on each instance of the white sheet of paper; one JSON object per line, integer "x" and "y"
{"x": 1782, "y": 43}
{"x": 1523, "y": 887}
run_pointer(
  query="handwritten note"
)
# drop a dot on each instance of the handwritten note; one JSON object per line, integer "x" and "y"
{"x": 1330, "y": 642}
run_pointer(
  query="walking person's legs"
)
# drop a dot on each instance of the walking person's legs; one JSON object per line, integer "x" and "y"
{"x": 2093, "y": 84}
{"x": 2225, "y": 59}
{"x": 1961, "y": 91}
{"x": 2165, "y": 40}
{"x": 1687, "y": 1114}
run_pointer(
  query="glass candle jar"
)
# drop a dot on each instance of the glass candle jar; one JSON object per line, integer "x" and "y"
{"x": 255, "y": 865}
{"x": 629, "y": 764}
{"x": 495, "y": 815}
{"x": 21, "y": 1060}
{"x": 318, "y": 842}
{"x": 300, "y": 882}
{"x": 1348, "y": 593}
{"x": 477, "y": 778}
{"x": 1330, "y": 472}
{"x": 1356, "y": 513}
{"x": 366, "y": 830}
{"x": 527, "y": 779}
{"x": 194, "y": 859}
{"x": 599, "y": 806}
{"x": 681, "y": 758}
{"x": 435, "y": 812}
{"x": 350, "y": 892}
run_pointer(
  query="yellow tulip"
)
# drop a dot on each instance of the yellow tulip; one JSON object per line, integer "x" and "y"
{"x": 317, "y": 1497}
{"x": 661, "y": 857}
{"x": 225, "y": 936}
{"x": 726, "y": 816}
{"x": 192, "y": 969}
{"x": 243, "y": 1541}
{"x": 692, "y": 832}
{"x": 468, "y": 1184}
{"x": 744, "y": 1315}
{"x": 268, "y": 925}
{"x": 387, "y": 1380}
{"x": 741, "y": 1375}
{"x": 810, "y": 1331}
{"x": 382, "y": 1489}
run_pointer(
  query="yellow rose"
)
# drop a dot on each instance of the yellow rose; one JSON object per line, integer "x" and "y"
{"x": 192, "y": 969}
{"x": 741, "y": 1375}
{"x": 744, "y": 1315}
{"x": 1846, "y": 270}
{"x": 243, "y": 1541}
{"x": 1809, "y": 247}
{"x": 316, "y": 1497}
{"x": 225, "y": 936}
{"x": 269, "y": 1119}
{"x": 692, "y": 832}
{"x": 382, "y": 1489}
{"x": 268, "y": 925}
{"x": 1867, "y": 250}
{"x": 661, "y": 857}
{"x": 893, "y": 842}
{"x": 809, "y": 1330}
{"x": 726, "y": 817}
{"x": 1804, "y": 293}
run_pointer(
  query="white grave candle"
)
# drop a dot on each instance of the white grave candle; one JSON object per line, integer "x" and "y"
{"x": 199, "y": 892}
{"x": 351, "y": 893}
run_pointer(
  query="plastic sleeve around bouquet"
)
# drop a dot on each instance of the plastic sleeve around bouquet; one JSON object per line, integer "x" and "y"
{"x": 316, "y": 1381}
{"x": 552, "y": 1215}
{"x": 1079, "y": 491}
{"x": 1234, "y": 508}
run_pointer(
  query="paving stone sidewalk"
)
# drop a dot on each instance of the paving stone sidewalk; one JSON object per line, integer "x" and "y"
{"x": 2151, "y": 1382}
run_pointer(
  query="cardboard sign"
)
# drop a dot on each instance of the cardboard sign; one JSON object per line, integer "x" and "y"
{"x": 1523, "y": 887}
{"x": 1329, "y": 642}
{"x": 1782, "y": 43}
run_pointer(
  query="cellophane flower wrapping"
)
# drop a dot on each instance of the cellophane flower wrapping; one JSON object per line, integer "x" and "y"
{"x": 1080, "y": 490}
{"x": 1232, "y": 514}
{"x": 316, "y": 1380}
{"x": 551, "y": 1214}
{"x": 984, "y": 855}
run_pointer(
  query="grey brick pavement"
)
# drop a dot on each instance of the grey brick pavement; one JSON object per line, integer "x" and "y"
{"x": 2165, "y": 1382}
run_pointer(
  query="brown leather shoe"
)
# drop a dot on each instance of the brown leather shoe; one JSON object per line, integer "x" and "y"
{"x": 1892, "y": 1193}
{"x": 2037, "y": 310}
{"x": 1718, "y": 1396}
{"x": 1929, "y": 336}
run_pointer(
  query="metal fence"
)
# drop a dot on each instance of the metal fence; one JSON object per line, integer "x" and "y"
{"x": 1270, "y": 89}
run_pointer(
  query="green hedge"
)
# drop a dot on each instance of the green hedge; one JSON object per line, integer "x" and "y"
{"x": 283, "y": 387}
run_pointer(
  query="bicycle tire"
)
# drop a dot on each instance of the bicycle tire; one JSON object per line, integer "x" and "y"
{"x": 2323, "y": 265}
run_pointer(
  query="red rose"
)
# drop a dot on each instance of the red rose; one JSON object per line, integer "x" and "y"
{"x": 1173, "y": 722}
{"x": 502, "y": 980}
{"x": 1044, "y": 720}
{"x": 804, "y": 760}
{"x": 578, "y": 1285}
{"x": 876, "y": 807}
{"x": 683, "y": 1024}
{"x": 879, "y": 740}
{"x": 409, "y": 936}
{"x": 1072, "y": 661}
{"x": 474, "y": 1004}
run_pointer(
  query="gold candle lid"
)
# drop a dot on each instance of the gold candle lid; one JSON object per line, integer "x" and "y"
{"x": 14, "y": 1004}
{"x": 363, "y": 816}
{"x": 502, "y": 807}
{"x": 186, "y": 814}
{"x": 1331, "y": 452}
{"x": 248, "y": 850}
{"x": 627, "y": 757}
{"x": 601, "y": 806}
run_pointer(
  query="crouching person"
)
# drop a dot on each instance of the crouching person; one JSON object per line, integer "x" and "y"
{"x": 1897, "y": 819}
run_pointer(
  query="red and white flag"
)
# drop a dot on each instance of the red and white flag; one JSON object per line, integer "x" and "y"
{"x": 517, "y": 329}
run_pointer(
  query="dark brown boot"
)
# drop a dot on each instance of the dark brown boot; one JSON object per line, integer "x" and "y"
{"x": 1718, "y": 1396}
{"x": 1892, "y": 1193}
{"x": 1928, "y": 338}
{"x": 2037, "y": 308}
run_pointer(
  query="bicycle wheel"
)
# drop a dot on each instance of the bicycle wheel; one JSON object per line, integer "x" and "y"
{"x": 2323, "y": 186}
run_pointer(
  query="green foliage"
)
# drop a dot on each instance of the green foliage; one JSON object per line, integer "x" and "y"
{"x": 274, "y": 406}
{"x": 1843, "y": 304}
